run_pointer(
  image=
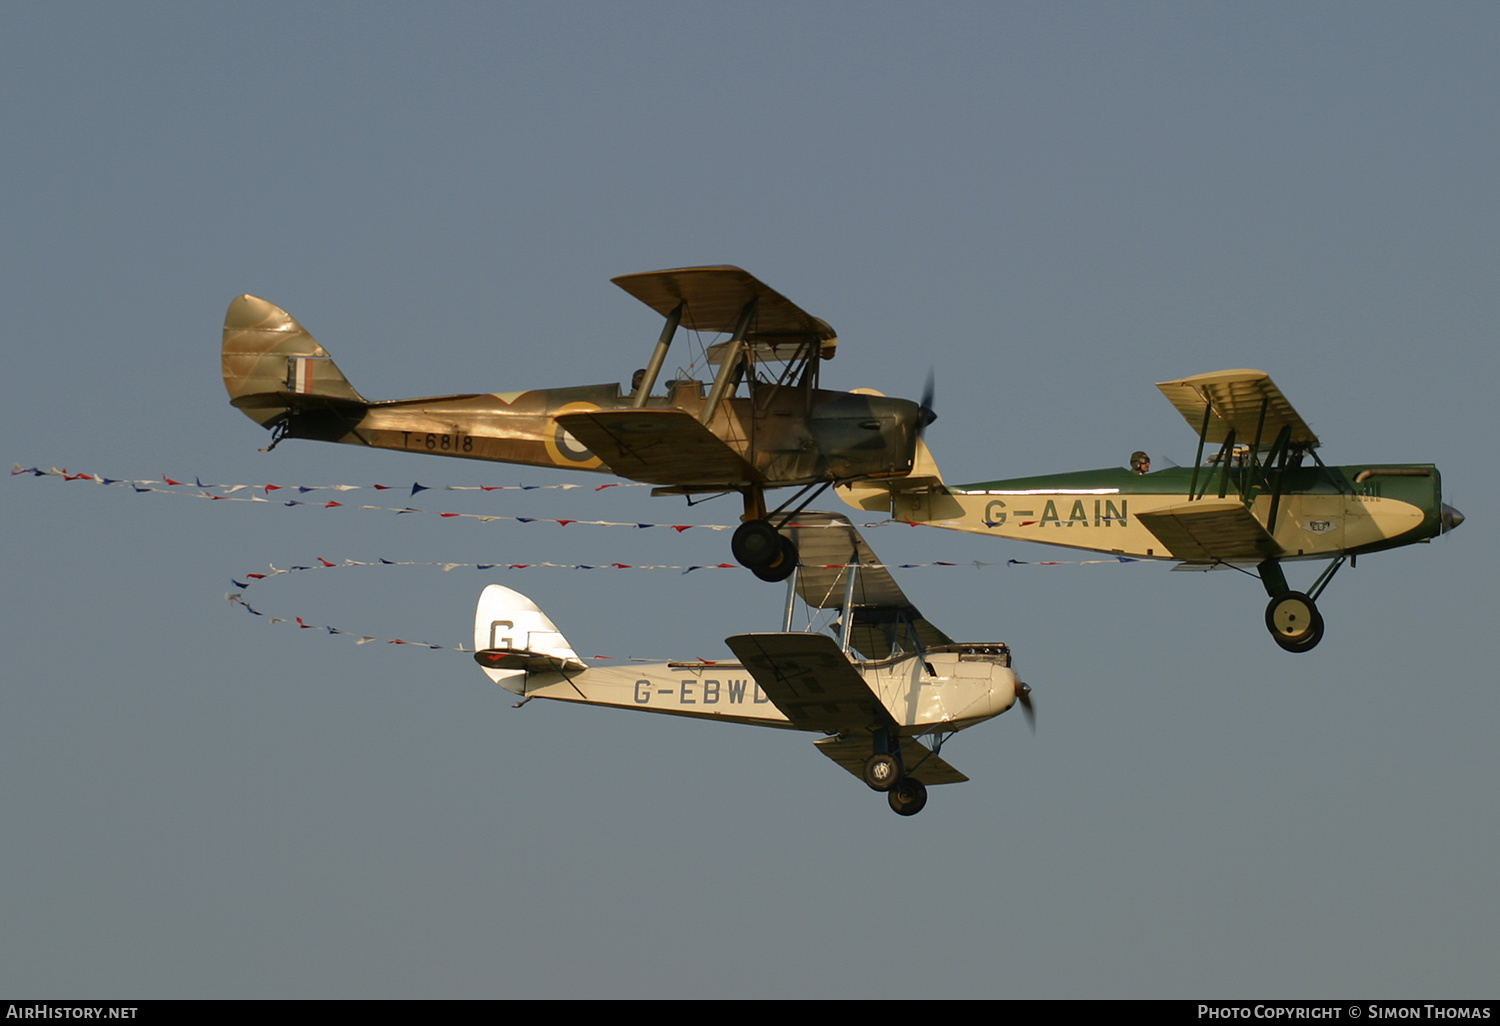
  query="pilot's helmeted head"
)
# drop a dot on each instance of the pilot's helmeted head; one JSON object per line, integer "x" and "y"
{"x": 1140, "y": 462}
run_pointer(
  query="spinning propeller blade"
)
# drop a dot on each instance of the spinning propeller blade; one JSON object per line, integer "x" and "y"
{"x": 928, "y": 416}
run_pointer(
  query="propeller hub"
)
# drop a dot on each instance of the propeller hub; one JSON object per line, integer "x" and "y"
{"x": 1449, "y": 518}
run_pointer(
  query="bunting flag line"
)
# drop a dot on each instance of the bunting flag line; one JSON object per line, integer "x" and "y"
{"x": 319, "y": 563}
{"x": 229, "y": 493}
{"x": 416, "y": 486}
{"x": 238, "y": 597}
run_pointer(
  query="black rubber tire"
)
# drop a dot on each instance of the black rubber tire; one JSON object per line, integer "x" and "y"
{"x": 908, "y": 798}
{"x": 783, "y": 567}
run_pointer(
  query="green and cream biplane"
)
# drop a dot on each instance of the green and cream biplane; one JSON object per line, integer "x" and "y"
{"x": 1254, "y": 504}
{"x": 763, "y": 422}
{"x": 886, "y": 693}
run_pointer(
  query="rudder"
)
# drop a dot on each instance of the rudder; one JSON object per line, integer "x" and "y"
{"x": 272, "y": 365}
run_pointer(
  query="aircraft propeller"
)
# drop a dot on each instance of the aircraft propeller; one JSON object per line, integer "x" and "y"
{"x": 1023, "y": 695}
{"x": 927, "y": 414}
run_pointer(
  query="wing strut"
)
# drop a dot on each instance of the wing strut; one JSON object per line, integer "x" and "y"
{"x": 731, "y": 362}
{"x": 848, "y": 625}
{"x": 1208, "y": 411}
{"x": 659, "y": 356}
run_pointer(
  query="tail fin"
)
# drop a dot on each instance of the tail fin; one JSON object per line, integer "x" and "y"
{"x": 879, "y": 495}
{"x": 273, "y": 367}
{"x": 513, "y": 638}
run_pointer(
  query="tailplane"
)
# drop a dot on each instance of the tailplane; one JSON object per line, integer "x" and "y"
{"x": 513, "y": 638}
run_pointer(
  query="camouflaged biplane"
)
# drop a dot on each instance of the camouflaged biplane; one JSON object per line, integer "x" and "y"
{"x": 763, "y": 423}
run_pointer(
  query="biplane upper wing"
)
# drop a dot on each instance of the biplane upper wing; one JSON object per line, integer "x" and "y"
{"x": 666, "y": 447}
{"x": 808, "y": 677}
{"x": 1211, "y": 531}
{"x": 1238, "y": 399}
{"x": 920, "y": 761}
{"x": 712, "y": 299}
{"x": 826, "y": 544}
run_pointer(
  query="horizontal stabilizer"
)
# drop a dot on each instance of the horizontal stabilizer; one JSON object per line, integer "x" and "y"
{"x": 668, "y": 447}
{"x": 920, "y": 761}
{"x": 1211, "y": 531}
{"x": 530, "y": 662}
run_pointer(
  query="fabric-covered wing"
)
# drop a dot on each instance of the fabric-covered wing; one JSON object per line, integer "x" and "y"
{"x": 920, "y": 761}
{"x": 666, "y": 447}
{"x": 1211, "y": 531}
{"x": 826, "y": 544}
{"x": 712, "y": 299}
{"x": 1237, "y": 398}
{"x": 810, "y": 679}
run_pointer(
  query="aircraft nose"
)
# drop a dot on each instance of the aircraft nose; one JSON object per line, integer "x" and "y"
{"x": 1450, "y": 518}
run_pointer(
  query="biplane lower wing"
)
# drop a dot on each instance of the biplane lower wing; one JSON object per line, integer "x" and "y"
{"x": 808, "y": 677}
{"x": 666, "y": 447}
{"x": 920, "y": 761}
{"x": 1211, "y": 532}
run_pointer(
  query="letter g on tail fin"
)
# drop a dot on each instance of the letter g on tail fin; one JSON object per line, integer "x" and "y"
{"x": 514, "y": 639}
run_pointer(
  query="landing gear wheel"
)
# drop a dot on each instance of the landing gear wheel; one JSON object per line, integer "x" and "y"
{"x": 783, "y": 567}
{"x": 1294, "y": 621}
{"x": 882, "y": 771}
{"x": 908, "y": 797}
{"x": 761, "y": 548}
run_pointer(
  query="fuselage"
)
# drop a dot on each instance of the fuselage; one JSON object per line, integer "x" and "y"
{"x": 788, "y": 435}
{"x": 1321, "y": 511}
{"x": 950, "y": 687}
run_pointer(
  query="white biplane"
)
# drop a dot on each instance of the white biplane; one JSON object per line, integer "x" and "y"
{"x": 887, "y": 693}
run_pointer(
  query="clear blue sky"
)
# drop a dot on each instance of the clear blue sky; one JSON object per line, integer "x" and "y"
{"x": 1053, "y": 205}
